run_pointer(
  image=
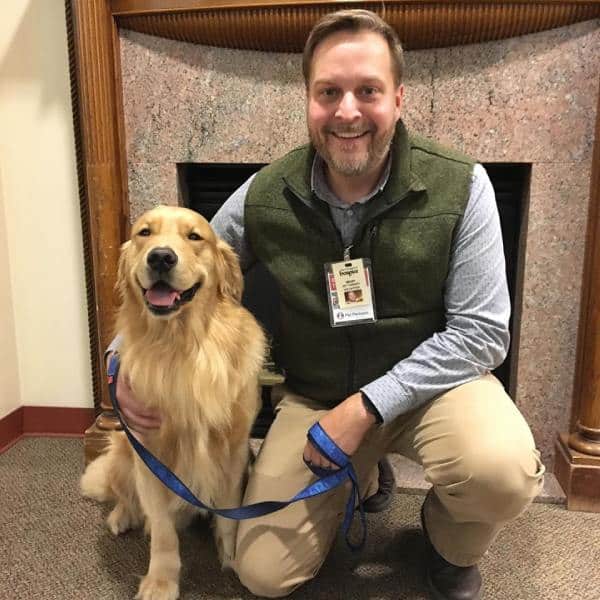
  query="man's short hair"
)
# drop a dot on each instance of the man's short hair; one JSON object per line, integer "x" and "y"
{"x": 354, "y": 20}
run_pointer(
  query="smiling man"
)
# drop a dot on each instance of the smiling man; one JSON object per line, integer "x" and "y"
{"x": 387, "y": 251}
{"x": 353, "y": 104}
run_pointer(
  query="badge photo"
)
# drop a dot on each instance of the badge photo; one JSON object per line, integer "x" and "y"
{"x": 350, "y": 293}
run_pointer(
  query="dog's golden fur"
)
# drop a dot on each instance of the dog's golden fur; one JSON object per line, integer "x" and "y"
{"x": 198, "y": 364}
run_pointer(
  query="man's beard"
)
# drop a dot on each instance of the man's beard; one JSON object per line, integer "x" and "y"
{"x": 352, "y": 164}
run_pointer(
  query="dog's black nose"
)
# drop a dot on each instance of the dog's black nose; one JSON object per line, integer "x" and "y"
{"x": 162, "y": 260}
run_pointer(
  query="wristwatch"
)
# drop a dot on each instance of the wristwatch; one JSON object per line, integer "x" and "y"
{"x": 371, "y": 408}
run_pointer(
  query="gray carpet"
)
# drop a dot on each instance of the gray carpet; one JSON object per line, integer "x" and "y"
{"x": 54, "y": 545}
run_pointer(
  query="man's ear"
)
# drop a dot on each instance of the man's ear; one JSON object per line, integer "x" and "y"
{"x": 399, "y": 100}
{"x": 230, "y": 279}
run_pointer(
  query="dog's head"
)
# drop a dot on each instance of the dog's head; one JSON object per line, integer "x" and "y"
{"x": 173, "y": 258}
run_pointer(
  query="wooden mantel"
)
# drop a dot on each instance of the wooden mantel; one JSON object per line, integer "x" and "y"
{"x": 92, "y": 27}
{"x": 283, "y": 26}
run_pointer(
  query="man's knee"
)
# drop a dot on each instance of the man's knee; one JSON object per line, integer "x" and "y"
{"x": 261, "y": 577}
{"x": 498, "y": 482}
{"x": 509, "y": 482}
{"x": 266, "y": 568}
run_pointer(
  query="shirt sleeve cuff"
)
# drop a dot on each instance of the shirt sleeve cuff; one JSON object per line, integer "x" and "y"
{"x": 389, "y": 397}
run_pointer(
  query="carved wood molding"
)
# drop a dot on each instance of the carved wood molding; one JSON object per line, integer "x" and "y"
{"x": 283, "y": 26}
{"x": 97, "y": 105}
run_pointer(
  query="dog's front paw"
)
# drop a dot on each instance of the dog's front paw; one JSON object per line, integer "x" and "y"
{"x": 121, "y": 520}
{"x": 154, "y": 588}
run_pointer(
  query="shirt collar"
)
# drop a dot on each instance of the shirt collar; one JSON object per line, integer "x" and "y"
{"x": 321, "y": 189}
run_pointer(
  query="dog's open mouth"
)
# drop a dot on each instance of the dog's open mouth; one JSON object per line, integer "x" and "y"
{"x": 163, "y": 299}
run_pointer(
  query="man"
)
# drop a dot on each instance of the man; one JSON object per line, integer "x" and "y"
{"x": 412, "y": 227}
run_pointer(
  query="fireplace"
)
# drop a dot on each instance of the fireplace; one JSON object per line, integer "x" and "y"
{"x": 220, "y": 116}
{"x": 149, "y": 103}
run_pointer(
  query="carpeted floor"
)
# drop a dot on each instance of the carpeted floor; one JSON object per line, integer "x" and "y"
{"x": 54, "y": 546}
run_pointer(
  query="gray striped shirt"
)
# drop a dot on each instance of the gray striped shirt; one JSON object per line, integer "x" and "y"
{"x": 476, "y": 337}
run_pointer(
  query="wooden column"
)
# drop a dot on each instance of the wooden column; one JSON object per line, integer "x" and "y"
{"x": 577, "y": 461}
{"x": 101, "y": 168}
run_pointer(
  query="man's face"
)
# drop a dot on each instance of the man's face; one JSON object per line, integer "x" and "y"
{"x": 353, "y": 103}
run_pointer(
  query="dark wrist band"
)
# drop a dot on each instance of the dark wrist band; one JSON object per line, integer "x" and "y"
{"x": 371, "y": 408}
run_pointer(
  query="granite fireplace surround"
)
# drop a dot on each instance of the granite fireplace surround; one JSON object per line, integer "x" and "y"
{"x": 530, "y": 99}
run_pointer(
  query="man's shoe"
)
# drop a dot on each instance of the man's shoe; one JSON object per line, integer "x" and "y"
{"x": 382, "y": 498}
{"x": 445, "y": 580}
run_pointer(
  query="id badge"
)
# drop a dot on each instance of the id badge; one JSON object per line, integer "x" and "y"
{"x": 350, "y": 292}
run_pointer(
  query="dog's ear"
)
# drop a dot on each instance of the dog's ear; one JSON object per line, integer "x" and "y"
{"x": 122, "y": 280}
{"x": 230, "y": 279}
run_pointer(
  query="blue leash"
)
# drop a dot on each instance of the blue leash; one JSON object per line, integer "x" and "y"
{"x": 328, "y": 479}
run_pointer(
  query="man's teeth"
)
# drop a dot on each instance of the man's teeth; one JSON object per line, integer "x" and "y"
{"x": 349, "y": 135}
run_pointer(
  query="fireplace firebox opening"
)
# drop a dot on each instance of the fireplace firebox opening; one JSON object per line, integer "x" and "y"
{"x": 204, "y": 187}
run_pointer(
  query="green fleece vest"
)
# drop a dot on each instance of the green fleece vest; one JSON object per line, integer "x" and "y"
{"x": 407, "y": 233}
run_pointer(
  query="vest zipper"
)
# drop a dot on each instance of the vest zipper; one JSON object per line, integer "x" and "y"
{"x": 346, "y": 257}
{"x": 350, "y": 388}
{"x": 350, "y": 382}
{"x": 372, "y": 235}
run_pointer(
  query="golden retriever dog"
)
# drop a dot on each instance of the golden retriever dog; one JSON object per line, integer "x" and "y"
{"x": 190, "y": 350}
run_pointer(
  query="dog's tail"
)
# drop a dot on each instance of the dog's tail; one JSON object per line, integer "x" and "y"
{"x": 94, "y": 482}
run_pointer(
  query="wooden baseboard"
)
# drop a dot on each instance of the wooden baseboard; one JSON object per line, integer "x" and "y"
{"x": 11, "y": 428}
{"x": 578, "y": 475}
{"x": 43, "y": 421}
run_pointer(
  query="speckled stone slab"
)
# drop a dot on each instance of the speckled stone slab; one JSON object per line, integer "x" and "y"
{"x": 551, "y": 294}
{"x": 529, "y": 99}
{"x": 526, "y": 99}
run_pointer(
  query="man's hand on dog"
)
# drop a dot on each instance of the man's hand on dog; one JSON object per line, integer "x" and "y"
{"x": 346, "y": 424}
{"x": 135, "y": 414}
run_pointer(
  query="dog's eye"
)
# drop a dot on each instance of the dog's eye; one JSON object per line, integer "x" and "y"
{"x": 144, "y": 232}
{"x": 194, "y": 236}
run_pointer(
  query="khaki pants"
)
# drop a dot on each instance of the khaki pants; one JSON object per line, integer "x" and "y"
{"x": 476, "y": 450}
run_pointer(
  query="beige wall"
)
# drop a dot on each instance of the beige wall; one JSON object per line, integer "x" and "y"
{"x": 41, "y": 259}
{"x": 10, "y": 396}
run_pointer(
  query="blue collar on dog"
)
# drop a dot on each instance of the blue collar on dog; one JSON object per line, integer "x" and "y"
{"x": 327, "y": 481}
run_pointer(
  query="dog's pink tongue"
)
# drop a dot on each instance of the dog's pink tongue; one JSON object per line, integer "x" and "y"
{"x": 162, "y": 295}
